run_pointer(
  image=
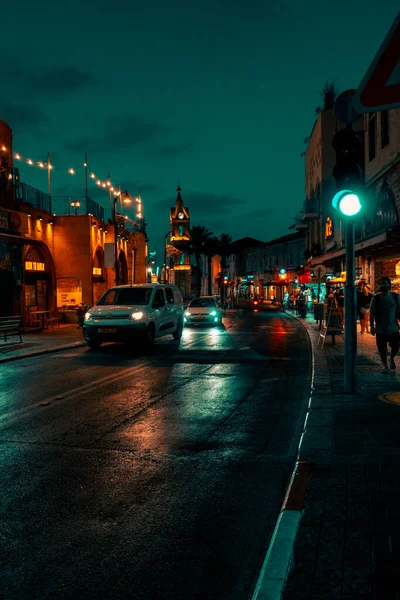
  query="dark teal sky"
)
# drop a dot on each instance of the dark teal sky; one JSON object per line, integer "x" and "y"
{"x": 219, "y": 96}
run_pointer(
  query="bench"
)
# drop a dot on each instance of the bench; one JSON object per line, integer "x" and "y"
{"x": 10, "y": 326}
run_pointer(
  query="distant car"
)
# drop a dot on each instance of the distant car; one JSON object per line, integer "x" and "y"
{"x": 126, "y": 313}
{"x": 204, "y": 311}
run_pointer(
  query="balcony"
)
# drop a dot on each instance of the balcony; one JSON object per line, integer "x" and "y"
{"x": 311, "y": 208}
{"x": 29, "y": 195}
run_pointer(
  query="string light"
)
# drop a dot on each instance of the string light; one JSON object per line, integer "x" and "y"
{"x": 106, "y": 184}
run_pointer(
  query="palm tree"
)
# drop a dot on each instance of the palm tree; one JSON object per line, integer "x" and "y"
{"x": 328, "y": 95}
{"x": 211, "y": 250}
{"x": 198, "y": 240}
{"x": 224, "y": 251}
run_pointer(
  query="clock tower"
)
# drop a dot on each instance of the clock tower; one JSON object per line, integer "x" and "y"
{"x": 179, "y": 238}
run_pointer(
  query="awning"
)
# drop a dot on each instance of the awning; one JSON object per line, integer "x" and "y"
{"x": 304, "y": 278}
{"x": 359, "y": 247}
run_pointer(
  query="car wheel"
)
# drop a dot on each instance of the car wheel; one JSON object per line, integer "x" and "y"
{"x": 150, "y": 335}
{"x": 93, "y": 345}
{"x": 178, "y": 333}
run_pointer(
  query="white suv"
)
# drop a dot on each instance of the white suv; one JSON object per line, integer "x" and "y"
{"x": 126, "y": 312}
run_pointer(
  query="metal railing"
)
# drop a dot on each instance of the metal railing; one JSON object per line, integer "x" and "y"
{"x": 30, "y": 195}
{"x": 77, "y": 205}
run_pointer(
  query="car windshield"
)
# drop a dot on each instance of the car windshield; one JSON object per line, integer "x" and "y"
{"x": 202, "y": 303}
{"x": 126, "y": 297}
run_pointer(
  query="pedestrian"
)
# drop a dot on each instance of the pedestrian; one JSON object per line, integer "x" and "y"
{"x": 384, "y": 316}
{"x": 340, "y": 301}
{"x": 364, "y": 298}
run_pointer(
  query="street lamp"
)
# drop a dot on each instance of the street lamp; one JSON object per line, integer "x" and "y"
{"x": 76, "y": 204}
{"x": 126, "y": 199}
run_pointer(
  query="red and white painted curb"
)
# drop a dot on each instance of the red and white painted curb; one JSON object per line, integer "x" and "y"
{"x": 275, "y": 567}
{"x": 276, "y": 564}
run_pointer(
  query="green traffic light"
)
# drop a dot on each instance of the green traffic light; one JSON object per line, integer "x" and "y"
{"x": 347, "y": 202}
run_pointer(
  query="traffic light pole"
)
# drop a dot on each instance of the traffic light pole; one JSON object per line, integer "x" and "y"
{"x": 350, "y": 316}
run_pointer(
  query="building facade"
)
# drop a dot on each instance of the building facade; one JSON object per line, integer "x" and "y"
{"x": 272, "y": 266}
{"x": 51, "y": 261}
{"x": 377, "y": 231}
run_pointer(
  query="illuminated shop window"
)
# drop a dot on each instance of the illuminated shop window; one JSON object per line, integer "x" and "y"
{"x": 97, "y": 271}
{"x": 31, "y": 265}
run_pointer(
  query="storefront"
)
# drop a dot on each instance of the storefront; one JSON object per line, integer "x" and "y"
{"x": 10, "y": 277}
{"x": 99, "y": 274}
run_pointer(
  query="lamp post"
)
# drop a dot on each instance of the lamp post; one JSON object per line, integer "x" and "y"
{"x": 166, "y": 280}
{"x": 126, "y": 200}
{"x": 75, "y": 204}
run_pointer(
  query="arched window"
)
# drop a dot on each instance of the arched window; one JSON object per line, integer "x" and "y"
{"x": 98, "y": 263}
{"x": 34, "y": 260}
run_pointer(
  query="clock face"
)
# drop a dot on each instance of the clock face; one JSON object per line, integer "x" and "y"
{"x": 180, "y": 215}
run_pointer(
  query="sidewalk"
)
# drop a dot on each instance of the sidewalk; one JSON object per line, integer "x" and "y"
{"x": 348, "y": 540}
{"x": 43, "y": 342}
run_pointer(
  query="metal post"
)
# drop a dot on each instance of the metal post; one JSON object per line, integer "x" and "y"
{"x": 86, "y": 177}
{"x": 350, "y": 316}
{"x": 116, "y": 241}
{"x": 48, "y": 174}
{"x": 319, "y": 284}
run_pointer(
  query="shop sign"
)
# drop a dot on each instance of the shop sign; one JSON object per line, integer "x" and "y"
{"x": 13, "y": 220}
{"x": 328, "y": 228}
{"x": 69, "y": 298}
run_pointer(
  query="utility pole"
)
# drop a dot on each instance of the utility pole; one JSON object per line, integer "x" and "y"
{"x": 86, "y": 177}
{"x": 48, "y": 174}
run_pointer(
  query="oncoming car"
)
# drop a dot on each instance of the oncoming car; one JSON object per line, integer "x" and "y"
{"x": 127, "y": 313}
{"x": 203, "y": 310}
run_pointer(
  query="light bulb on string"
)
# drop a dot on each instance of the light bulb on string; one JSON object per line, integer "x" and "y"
{"x": 18, "y": 156}
{"x": 71, "y": 171}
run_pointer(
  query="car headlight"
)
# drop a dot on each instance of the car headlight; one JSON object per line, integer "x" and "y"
{"x": 213, "y": 313}
{"x": 88, "y": 316}
{"x": 136, "y": 316}
{"x": 187, "y": 313}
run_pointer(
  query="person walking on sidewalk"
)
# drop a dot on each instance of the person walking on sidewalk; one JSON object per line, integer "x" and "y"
{"x": 364, "y": 298}
{"x": 384, "y": 315}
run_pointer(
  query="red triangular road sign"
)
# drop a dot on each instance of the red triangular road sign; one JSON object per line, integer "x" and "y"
{"x": 380, "y": 87}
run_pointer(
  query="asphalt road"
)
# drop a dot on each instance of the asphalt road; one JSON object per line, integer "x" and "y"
{"x": 155, "y": 475}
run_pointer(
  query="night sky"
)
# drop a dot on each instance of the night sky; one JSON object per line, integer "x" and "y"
{"x": 217, "y": 95}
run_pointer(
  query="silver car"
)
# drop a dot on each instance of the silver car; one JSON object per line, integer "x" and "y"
{"x": 203, "y": 311}
{"x": 130, "y": 312}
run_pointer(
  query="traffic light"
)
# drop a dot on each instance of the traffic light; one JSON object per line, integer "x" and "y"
{"x": 348, "y": 172}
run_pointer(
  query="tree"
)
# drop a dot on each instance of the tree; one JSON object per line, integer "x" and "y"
{"x": 211, "y": 249}
{"x": 197, "y": 246}
{"x": 328, "y": 95}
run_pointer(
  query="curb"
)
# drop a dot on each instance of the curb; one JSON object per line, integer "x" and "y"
{"x": 41, "y": 352}
{"x": 275, "y": 568}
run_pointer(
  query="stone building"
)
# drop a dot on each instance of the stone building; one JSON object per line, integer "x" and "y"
{"x": 50, "y": 261}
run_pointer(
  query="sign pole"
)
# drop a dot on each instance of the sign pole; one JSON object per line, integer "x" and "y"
{"x": 350, "y": 316}
{"x": 319, "y": 284}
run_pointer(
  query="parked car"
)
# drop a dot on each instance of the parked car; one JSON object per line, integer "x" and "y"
{"x": 204, "y": 311}
{"x": 127, "y": 313}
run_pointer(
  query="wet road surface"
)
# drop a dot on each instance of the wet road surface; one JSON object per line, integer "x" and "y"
{"x": 155, "y": 475}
